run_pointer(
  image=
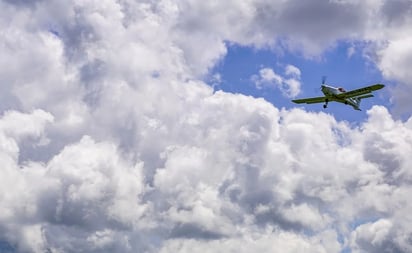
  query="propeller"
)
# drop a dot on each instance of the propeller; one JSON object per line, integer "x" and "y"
{"x": 323, "y": 80}
{"x": 320, "y": 88}
{"x": 317, "y": 89}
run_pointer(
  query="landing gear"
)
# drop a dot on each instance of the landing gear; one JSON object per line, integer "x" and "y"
{"x": 326, "y": 104}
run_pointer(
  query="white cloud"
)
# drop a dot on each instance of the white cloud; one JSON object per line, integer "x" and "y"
{"x": 371, "y": 236}
{"x": 111, "y": 143}
{"x": 304, "y": 214}
{"x": 266, "y": 76}
{"x": 289, "y": 84}
{"x": 267, "y": 241}
{"x": 393, "y": 62}
{"x": 350, "y": 52}
{"x": 395, "y": 57}
{"x": 292, "y": 70}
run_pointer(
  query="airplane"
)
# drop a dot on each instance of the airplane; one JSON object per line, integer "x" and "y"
{"x": 338, "y": 94}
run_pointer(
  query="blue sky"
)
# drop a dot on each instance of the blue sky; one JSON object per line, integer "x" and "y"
{"x": 342, "y": 70}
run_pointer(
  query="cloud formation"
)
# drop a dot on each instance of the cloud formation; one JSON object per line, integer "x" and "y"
{"x": 289, "y": 84}
{"x": 111, "y": 142}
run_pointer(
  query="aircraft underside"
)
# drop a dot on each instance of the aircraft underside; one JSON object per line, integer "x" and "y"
{"x": 354, "y": 104}
{"x": 338, "y": 94}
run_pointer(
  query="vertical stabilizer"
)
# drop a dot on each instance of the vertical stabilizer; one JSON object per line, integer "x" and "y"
{"x": 358, "y": 100}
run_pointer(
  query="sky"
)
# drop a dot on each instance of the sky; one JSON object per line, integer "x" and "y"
{"x": 167, "y": 126}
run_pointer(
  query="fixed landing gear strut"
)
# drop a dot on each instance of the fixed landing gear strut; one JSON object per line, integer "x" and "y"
{"x": 326, "y": 104}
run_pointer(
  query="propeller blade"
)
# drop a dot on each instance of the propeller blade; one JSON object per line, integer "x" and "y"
{"x": 323, "y": 79}
{"x": 317, "y": 90}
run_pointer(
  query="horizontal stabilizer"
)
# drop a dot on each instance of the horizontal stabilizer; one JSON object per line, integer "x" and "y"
{"x": 365, "y": 96}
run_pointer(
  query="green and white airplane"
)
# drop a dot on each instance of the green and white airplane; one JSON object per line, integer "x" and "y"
{"x": 352, "y": 98}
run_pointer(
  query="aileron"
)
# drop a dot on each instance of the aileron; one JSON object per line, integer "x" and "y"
{"x": 313, "y": 100}
{"x": 361, "y": 91}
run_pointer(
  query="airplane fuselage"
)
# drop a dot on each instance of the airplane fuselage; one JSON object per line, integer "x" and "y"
{"x": 332, "y": 94}
{"x": 352, "y": 97}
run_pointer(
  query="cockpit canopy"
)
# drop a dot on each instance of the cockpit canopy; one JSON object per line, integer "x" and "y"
{"x": 341, "y": 89}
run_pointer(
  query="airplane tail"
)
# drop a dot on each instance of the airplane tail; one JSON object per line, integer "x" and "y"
{"x": 358, "y": 100}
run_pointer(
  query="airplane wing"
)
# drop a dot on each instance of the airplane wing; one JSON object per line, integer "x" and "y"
{"x": 361, "y": 91}
{"x": 310, "y": 100}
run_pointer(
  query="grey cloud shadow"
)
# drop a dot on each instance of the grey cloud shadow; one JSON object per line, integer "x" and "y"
{"x": 193, "y": 231}
{"x": 395, "y": 11}
{"x": 378, "y": 150}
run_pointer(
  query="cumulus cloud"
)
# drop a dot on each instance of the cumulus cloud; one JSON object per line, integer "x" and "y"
{"x": 393, "y": 61}
{"x": 268, "y": 241}
{"x": 371, "y": 236}
{"x": 110, "y": 141}
{"x": 289, "y": 84}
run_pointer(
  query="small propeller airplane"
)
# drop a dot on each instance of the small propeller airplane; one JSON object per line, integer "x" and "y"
{"x": 352, "y": 98}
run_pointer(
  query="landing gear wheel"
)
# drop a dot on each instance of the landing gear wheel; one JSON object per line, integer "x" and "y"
{"x": 326, "y": 103}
